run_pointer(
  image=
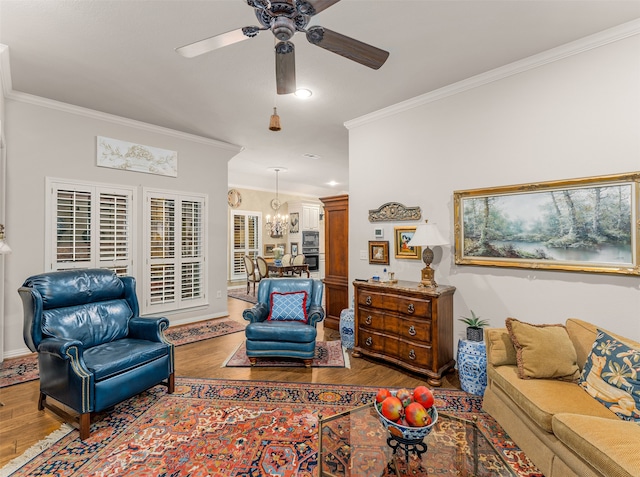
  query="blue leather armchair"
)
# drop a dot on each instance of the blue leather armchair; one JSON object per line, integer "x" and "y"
{"x": 93, "y": 349}
{"x": 289, "y": 339}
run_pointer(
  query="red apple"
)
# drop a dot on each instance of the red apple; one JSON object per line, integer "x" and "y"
{"x": 405, "y": 396}
{"x": 382, "y": 394}
{"x": 392, "y": 408}
{"x": 424, "y": 396}
{"x": 417, "y": 415}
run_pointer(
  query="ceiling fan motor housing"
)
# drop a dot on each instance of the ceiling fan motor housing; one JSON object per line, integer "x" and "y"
{"x": 283, "y": 28}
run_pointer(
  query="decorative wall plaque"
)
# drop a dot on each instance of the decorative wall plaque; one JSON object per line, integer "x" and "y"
{"x": 394, "y": 211}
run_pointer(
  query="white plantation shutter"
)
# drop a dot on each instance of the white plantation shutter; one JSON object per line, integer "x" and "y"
{"x": 73, "y": 237}
{"x": 245, "y": 240}
{"x": 192, "y": 252}
{"x": 89, "y": 226}
{"x": 114, "y": 231}
{"x": 175, "y": 254}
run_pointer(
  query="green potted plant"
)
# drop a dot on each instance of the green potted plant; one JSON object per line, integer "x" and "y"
{"x": 474, "y": 326}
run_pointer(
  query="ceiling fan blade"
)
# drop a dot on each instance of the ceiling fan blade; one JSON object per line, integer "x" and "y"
{"x": 313, "y": 7}
{"x": 348, "y": 47}
{"x": 285, "y": 68}
{"x": 218, "y": 41}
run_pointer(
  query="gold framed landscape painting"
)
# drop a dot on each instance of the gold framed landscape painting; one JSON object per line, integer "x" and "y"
{"x": 583, "y": 225}
{"x": 402, "y": 249}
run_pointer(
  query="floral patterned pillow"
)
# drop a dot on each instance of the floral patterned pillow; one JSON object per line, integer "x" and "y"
{"x": 611, "y": 375}
{"x": 290, "y": 306}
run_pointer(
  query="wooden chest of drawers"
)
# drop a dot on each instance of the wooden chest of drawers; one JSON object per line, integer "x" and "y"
{"x": 407, "y": 325}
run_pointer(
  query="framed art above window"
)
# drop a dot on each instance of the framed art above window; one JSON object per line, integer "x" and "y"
{"x": 581, "y": 225}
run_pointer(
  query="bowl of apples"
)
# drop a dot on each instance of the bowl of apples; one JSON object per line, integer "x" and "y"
{"x": 407, "y": 415}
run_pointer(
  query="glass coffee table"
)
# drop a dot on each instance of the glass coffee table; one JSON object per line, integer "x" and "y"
{"x": 354, "y": 443}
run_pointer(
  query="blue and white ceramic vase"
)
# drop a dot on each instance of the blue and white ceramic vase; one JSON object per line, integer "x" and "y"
{"x": 346, "y": 328}
{"x": 472, "y": 366}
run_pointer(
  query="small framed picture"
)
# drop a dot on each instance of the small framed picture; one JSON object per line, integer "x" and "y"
{"x": 378, "y": 233}
{"x": 402, "y": 248}
{"x": 294, "y": 248}
{"x": 294, "y": 223}
{"x": 268, "y": 249}
{"x": 379, "y": 252}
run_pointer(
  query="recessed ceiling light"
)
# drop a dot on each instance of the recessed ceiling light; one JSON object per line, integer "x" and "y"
{"x": 303, "y": 93}
{"x": 332, "y": 183}
{"x": 308, "y": 155}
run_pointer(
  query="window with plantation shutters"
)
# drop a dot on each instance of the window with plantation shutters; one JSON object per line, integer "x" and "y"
{"x": 175, "y": 276}
{"x": 89, "y": 225}
{"x": 245, "y": 240}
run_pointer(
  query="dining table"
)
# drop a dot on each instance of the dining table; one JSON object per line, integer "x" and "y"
{"x": 283, "y": 270}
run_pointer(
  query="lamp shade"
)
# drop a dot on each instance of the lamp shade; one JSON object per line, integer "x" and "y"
{"x": 427, "y": 235}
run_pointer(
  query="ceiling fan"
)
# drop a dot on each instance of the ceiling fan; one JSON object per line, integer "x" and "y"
{"x": 284, "y": 18}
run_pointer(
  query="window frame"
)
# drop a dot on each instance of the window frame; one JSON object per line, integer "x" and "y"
{"x": 233, "y": 276}
{"x": 173, "y": 265}
{"x": 95, "y": 190}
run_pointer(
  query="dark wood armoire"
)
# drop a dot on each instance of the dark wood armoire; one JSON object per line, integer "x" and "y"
{"x": 336, "y": 249}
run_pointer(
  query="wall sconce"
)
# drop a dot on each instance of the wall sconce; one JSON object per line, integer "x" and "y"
{"x": 4, "y": 248}
{"x": 427, "y": 234}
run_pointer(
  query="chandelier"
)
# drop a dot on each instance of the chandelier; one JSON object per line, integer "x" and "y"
{"x": 277, "y": 225}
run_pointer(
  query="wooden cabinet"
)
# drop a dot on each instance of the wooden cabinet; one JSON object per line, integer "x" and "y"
{"x": 407, "y": 325}
{"x": 336, "y": 250}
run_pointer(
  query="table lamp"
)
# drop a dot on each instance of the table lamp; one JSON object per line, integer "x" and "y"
{"x": 427, "y": 235}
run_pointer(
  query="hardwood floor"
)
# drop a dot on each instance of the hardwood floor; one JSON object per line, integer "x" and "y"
{"x": 22, "y": 425}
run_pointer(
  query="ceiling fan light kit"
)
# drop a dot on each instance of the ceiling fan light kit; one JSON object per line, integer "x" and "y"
{"x": 284, "y": 18}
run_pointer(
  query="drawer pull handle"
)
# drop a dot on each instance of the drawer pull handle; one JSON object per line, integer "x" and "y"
{"x": 411, "y": 308}
{"x": 368, "y": 301}
{"x": 369, "y": 341}
{"x": 368, "y": 320}
{"x": 412, "y": 330}
{"x": 412, "y": 354}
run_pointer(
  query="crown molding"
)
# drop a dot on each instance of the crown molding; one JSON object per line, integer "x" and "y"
{"x": 9, "y": 93}
{"x": 576, "y": 47}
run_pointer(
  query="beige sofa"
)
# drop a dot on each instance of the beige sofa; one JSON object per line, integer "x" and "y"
{"x": 559, "y": 426}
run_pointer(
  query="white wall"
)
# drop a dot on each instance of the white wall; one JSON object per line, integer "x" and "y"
{"x": 575, "y": 117}
{"x": 48, "y": 140}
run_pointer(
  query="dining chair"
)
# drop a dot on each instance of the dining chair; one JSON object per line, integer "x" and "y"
{"x": 298, "y": 260}
{"x": 263, "y": 268}
{"x": 253, "y": 276}
{"x": 286, "y": 260}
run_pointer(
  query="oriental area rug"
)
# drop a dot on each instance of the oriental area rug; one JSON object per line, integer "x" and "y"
{"x": 225, "y": 428}
{"x": 241, "y": 294}
{"x": 25, "y": 368}
{"x": 329, "y": 354}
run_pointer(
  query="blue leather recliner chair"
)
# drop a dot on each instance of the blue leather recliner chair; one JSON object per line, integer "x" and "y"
{"x": 278, "y": 326}
{"x": 94, "y": 351}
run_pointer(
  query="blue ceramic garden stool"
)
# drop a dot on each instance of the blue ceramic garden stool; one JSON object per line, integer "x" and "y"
{"x": 346, "y": 328}
{"x": 472, "y": 366}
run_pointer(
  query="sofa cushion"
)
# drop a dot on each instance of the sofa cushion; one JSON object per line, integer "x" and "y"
{"x": 279, "y": 333}
{"x": 610, "y": 375}
{"x": 541, "y": 399}
{"x": 608, "y": 445}
{"x": 288, "y": 306}
{"x": 110, "y": 359}
{"x": 500, "y": 350}
{"x": 543, "y": 351}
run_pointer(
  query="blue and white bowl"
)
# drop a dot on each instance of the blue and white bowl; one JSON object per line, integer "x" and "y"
{"x": 406, "y": 432}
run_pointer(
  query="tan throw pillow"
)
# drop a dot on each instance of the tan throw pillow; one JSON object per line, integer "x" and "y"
{"x": 543, "y": 351}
